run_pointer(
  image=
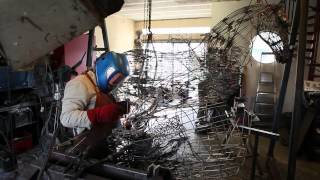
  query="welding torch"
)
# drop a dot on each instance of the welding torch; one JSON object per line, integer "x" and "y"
{"x": 126, "y": 107}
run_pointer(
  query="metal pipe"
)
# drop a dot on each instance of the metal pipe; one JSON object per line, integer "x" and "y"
{"x": 297, "y": 115}
{"x": 105, "y": 36}
{"x": 285, "y": 79}
{"x": 101, "y": 49}
{"x": 90, "y": 49}
{"x": 115, "y": 172}
{"x": 105, "y": 170}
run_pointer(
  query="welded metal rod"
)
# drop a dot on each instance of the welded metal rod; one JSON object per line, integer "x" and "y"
{"x": 90, "y": 49}
{"x": 260, "y": 132}
{"x": 285, "y": 79}
{"x": 297, "y": 115}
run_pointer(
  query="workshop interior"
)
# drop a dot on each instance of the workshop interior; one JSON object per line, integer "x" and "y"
{"x": 159, "y": 89}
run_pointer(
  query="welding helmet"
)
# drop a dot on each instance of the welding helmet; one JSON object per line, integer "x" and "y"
{"x": 111, "y": 70}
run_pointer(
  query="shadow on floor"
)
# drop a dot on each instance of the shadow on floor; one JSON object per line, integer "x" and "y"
{"x": 305, "y": 169}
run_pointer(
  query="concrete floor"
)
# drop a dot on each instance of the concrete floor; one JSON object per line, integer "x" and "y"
{"x": 305, "y": 169}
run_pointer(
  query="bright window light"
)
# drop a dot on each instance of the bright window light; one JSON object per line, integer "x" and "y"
{"x": 187, "y": 30}
{"x": 261, "y": 51}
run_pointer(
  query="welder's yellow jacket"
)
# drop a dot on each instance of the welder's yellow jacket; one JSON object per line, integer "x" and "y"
{"x": 79, "y": 96}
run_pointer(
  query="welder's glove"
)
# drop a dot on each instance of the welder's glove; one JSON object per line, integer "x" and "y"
{"x": 125, "y": 106}
{"x": 106, "y": 114}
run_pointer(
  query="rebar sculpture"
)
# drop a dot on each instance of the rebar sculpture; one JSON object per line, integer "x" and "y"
{"x": 182, "y": 117}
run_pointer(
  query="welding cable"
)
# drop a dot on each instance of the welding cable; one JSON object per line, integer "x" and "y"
{"x": 51, "y": 141}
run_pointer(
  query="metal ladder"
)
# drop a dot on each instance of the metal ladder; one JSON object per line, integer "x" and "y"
{"x": 266, "y": 94}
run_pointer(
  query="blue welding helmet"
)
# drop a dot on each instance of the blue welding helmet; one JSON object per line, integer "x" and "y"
{"x": 111, "y": 69}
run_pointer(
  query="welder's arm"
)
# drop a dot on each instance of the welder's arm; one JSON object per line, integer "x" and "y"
{"x": 74, "y": 108}
{"x": 108, "y": 114}
{"x": 74, "y": 105}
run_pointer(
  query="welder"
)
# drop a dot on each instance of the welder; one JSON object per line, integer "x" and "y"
{"x": 88, "y": 101}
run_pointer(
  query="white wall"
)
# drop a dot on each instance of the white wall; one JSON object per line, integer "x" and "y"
{"x": 120, "y": 33}
{"x": 221, "y": 9}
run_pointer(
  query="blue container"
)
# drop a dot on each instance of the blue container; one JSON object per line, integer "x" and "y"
{"x": 18, "y": 79}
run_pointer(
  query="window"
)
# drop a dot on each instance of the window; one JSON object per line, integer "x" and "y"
{"x": 261, "y": 51}
{"x": 177, "y": 58}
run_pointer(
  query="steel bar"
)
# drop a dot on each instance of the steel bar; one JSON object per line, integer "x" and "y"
{"x": 90, "y": 49}
{"x": 105, "y": 36}
{"x": 294, "y": 131}
{"x": 285, "y": 79}
{"x": 101, "y": 49}
{"x": 260, "y": 132}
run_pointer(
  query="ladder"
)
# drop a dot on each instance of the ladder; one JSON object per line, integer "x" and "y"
{"x": 266, "y": 93}
{"x": 313, "y": 28}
